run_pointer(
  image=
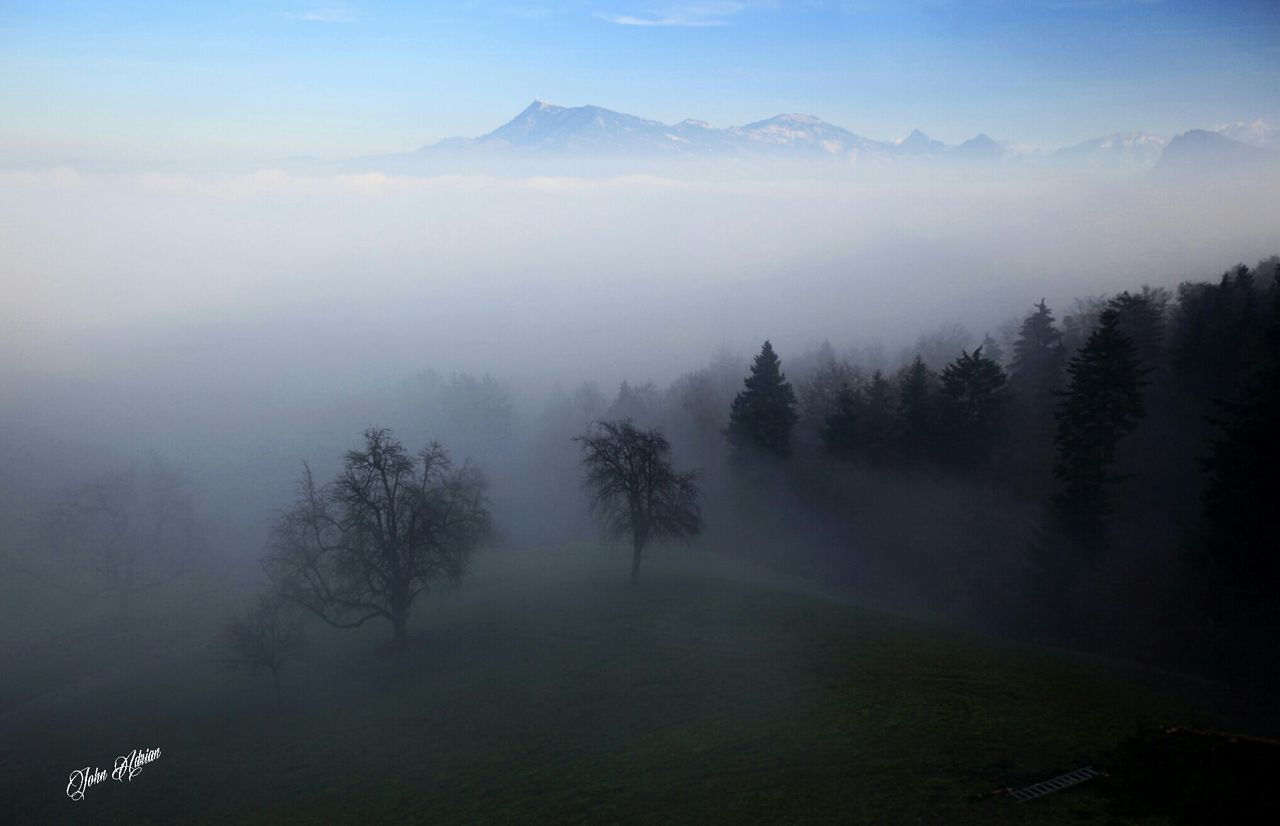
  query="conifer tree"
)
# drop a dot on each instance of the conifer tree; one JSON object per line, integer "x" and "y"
{"x": 1102, "y": 404}
{"x": 1142, "y": 318}
{"x": 992, "y": 349}
{"x": 973, "y": 397}
{"x": 876, "y": 430}
{"x": 840, "y": 436}
{"x": 917, "y": 412}
{"x": 764, "y": 413}
{"x": 1244, "y": 476}
{"x": 1036, "y": 370}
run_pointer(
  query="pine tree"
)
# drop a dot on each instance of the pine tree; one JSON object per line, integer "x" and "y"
{"x": 917, "y": 412}
{"x": 992, "y": 349}
{"x": 637, "y": 403}
{"x": 840, "y": 431}
{"x": 1102, "y": 404}
{"x": 973, "y": 400}
{"x": 764, "y": 413}
{"x": 879, "y": 418}
{"x": 1243, "y": 467}
{"x": 1036, "y": 370}
{"x": 1142, "y": 318}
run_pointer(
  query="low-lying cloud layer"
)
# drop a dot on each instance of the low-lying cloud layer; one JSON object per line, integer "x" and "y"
{"x": 253, "y": 291}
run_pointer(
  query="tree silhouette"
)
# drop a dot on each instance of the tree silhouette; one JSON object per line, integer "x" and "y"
{"x": 917, "y": 418}
{"x": 266, "y": 637}
{"x": 383, "y": 532}
{"x": 840, "y": 431}
{"x": 1102, "y": 404}
{"x": 1036, "y": 370}
{"x": 634, "y": 490}
{"x": 135, "y": 530}
{"x": 973, "y": 401}
{"x": 763, "y": 414}
{"x": 1142, "y": 319}
{"x": 1243, "y": 468}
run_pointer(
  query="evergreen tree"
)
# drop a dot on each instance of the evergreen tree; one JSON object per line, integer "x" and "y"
{"x": 638, "y": 403}
{"x": 917, "y": 412}
{"x": 1142, "y": 318}
{"x": 1244, "y": 476}
{"x": 879, "y": 418}
{"x": 1218, "y": 333}
{"x": 992, "y": 349}
{"x": 840, "y": 431}
{"x": 1036, "y": 370}
{"x": 819, "y": 393}
{"x": 764, "y": 413}
{"x": 1102, "y": 404}
{"x": 973, "y": 400}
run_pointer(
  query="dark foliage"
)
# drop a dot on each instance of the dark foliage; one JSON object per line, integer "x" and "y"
{"x": 1103, "y": 403}
{"x": 973, "y": 407}
{"x": 763, "y": 414}
{"x": 917, "y": 415}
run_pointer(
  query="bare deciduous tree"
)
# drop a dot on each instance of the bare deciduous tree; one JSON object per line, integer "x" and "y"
{"x": 369, "y": 543}
{"x": 135, "y": 529}
{"x": 634, "y": 490}
{"x": 268, "y": 636}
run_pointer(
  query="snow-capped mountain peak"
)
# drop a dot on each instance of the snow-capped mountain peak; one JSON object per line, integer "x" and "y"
{"x": 545, "y": 128}
{"x": 1257, "y": 133}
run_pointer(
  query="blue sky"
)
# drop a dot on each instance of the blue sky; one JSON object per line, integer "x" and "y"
{"x": 265, "y": 78}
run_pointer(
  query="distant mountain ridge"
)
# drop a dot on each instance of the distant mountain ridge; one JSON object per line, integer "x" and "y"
{"x": 545, "y": 129}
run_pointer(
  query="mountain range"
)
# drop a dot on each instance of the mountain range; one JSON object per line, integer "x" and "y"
{"x": 544, "y": 129}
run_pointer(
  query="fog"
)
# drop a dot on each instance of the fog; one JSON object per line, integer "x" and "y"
{"x": 222, "y": 317}
{"x": 195, "y": 337}
{"x": 291, "y": 284}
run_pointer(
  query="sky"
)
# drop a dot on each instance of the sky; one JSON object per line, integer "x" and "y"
{"x": 263, "y": 79}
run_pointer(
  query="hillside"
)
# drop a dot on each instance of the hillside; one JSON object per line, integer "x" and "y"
{"x": 698, "y": 697}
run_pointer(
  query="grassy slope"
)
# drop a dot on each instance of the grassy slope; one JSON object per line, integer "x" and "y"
{"x": 693, "y": 698}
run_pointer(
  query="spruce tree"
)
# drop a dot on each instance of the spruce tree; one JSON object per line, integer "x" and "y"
{"x": 1102, "y": 404}
{"x": 917, "y": 412}
{"x": 973, "y": 397}
{"x": 1142, "y": 318}
{"x": 876, "y": 430}
{"x": 1243, "y": 467}
{"x": 1036, "y": 370}
{"x": 840, "y": 436}
{"x": 763, "y": 413}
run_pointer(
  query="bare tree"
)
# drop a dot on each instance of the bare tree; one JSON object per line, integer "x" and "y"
{"x": 268, "y": 636}
{"x": 389, "y": 526}
{"x": 634, "y": 490}
{"x": 135, "y": 529}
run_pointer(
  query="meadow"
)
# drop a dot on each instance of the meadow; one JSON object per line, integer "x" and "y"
{"x": 548, "y": 690}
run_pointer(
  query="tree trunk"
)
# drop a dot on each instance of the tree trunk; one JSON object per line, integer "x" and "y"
{"x": 637, "y": 543}
{"x": 400, "y": 626}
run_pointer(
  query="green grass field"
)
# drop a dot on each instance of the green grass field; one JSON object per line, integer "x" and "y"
{"x": 697, "y": 697}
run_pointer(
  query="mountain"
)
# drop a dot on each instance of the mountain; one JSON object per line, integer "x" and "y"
{"x": 1259, "y": 133}
{"x": 804, "y": 134}
{"x": 981, "y": 149}
{"x": 1121, "y": 149}
{"x": 1201, "y": 151}
{"x": 546, "y": 128}
{"x": 570, "y": 134}
{"x": 918, "y": 144}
